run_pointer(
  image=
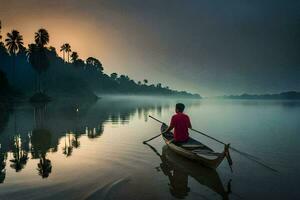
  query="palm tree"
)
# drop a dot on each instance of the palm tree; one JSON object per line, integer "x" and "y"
{"x": 14, "y": 42}
{"x": 63, "y": 49}
{"x": 38, "y": 59}
{"x": 41, "y": 37}
{"x": 68, "y": 50}
{"x": 37, "y": 55}
{"x": 74, "y": 57}
{"x": 145, "y": 81}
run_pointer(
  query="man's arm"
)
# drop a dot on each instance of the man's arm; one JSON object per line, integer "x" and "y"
{"x": 168, "y": 129}
{"x": 172, "y": 125}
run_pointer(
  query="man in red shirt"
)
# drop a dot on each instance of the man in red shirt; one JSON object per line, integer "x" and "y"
{"x": 181, "y": 123}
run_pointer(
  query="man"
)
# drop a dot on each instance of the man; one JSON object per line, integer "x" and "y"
{"x": 181, "y": 123}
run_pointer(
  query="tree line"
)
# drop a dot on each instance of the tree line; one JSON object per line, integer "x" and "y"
{"x": 70, "y": 68}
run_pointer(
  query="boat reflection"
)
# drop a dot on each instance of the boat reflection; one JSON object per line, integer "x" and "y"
{"x": 178, "y": 170}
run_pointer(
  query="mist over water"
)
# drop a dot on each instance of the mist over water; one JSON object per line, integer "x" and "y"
{"x": 84, "y": 150}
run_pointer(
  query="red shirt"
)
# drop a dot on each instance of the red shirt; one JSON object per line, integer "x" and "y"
{"x": 181, "y": 123}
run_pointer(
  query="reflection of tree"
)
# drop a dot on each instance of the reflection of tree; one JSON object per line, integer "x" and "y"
{"x": 4, "y": 116}
{"x": 76, "y": 134}
{"x": 39, "y": 114}
{"x": 41, "y": 141}
{"x": 40, "y": 144}
{"x": 68, "y": 148}
{"x": 159, "y": 110}
{"x": 75, "y": 140}
{"x": 3, "y": 157}
{"x": 114, "y": 118}
{"x": 20, "y": 156}
{"x": 44, "y": 166}
{"x": 94, "y": 132}
{"x": 124, "y": 118}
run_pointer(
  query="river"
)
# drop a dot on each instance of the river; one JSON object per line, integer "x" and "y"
{"x": 93, "y": 150}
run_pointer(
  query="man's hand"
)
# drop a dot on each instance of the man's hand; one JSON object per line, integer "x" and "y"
{"x": 170, "y": 141}
{"x": 168, "y": 129}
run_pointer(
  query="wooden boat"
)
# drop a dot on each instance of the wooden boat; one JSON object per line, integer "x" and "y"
{"x": 195, "y": 150}
{"x": 178, "y": 169}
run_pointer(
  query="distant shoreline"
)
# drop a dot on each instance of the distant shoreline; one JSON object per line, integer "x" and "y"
{"x": 290, "y": 95}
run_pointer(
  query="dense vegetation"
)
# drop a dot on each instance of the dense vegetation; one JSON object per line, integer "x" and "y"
{"x": 6, "y": 93}
{"x": 5, "y": 88}
{"x": 283, "y": 95}
{"x": 38, "y": 69}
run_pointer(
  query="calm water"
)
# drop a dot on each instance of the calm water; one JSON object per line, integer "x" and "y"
{"x": 75, "y": 150}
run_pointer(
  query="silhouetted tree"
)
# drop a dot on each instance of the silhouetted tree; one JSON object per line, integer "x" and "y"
{"x": 4, "y": 85}
{"x": 37, "y": 54}
{"x": 124, "y": 79}
{"x": 63, "y": 49}
{"x": 41, "y": 37}
{"x": 114, "y": 76}
{"x": 52, "y": 51}
{"x": 94, "y": 63}
{"x": 79, "y": 63}
{"x": 14, "y": 42}
{"x": 38, "y": 59}
{"x": 68, "y": 50}
{"x": 74, "y": 57}
{"x": 3, "y": 50}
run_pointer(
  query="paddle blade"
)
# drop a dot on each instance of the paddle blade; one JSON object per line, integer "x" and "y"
{"x": 228, "y": 157}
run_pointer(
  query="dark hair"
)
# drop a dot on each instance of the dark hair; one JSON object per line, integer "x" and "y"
{"x": 180, "y": 107}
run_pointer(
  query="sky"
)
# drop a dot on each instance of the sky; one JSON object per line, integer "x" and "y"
{"x": 210, "y": 47}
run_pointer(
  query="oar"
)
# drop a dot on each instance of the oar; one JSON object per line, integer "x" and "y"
{"x": 144, "y": 142}
{"x": 234, "y": 149}
{"x": 250, "y": 157}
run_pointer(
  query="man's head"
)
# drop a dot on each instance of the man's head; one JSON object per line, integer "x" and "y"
{"x": 179, "y": 107}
